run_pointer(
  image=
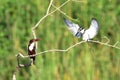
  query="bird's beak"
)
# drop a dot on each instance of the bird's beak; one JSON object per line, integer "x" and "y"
{"x": 38, "y": 39}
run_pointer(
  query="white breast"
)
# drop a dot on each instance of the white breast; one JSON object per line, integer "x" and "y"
{"x": 31, "y": 46}
{"x": 85, "y": 36}
{"x": 89, "y": 34}
{"x": 92, "y": 31}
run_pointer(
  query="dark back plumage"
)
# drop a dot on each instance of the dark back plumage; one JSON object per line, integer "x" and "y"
{"x": 32, "y": 49}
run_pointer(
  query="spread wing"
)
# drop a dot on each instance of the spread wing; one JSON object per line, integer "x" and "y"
{"x": 74, "y": 28}
{"x": 93, "y": 29}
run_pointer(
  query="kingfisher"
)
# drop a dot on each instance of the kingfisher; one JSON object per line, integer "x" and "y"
{"x": 79, "y": 31}
{"x": 32, "y": 49}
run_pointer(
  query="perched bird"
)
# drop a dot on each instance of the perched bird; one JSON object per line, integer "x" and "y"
{"x": 32, "y": 49}
{"x": 79, "y": 31}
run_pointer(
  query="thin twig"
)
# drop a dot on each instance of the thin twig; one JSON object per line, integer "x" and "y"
{"x": 33, "y": 28}
{"x": 49, "y": 7}
{"x": 116, "y": 43}
{"x": 105, "y": 44}
{"x": 35, "y": 37}
{"x": 79, "y": 0}
{"x": 108, "y": 40}
{"x": 14, "y": 74}
{"x": 62, "y": 12}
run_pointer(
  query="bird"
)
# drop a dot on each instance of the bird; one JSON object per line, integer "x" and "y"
{"x": 32, "y": 49}
{"x": 85, "y": 34}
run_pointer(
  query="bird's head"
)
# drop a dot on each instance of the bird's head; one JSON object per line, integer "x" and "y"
{"x": 34, "y": 40}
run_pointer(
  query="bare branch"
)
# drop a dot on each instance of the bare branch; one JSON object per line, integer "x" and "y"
{"x": 20, "y": 54}
{"x": 106, "y": 44}
{"x": 65, "y": 50}
{"x": 19, "y": 65}
{"x": 48, "y": 15}
{"x": 79, "y": 0}
{"x": 62, "y": 12}
{"x": 49, "y": 7}
{"x": 56, "y": 50}
{"x": 116, "y": 43}
{"x": 14, "y": 74}
{"x": 34, "y": 37}
{"x": 33, "y": 32}
{"x": 108, "y": 40}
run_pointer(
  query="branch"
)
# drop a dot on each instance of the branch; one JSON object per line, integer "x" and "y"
{"x": 79, "y": 0}
{"x": 19, "y": 65}
{"x": 14, "y": 74}
{"x": 57, "y": 8}
{"x": 65, "y": 50}
{"x": 55, "y": 50}
{"x": 106, "y": 44}
{"x": 33, "y": 32}
{"x": 47, "y": 13}
{"x": 49, "y": 7}
{"x": 39, "y": 22}
{"x": 61, "y": 11}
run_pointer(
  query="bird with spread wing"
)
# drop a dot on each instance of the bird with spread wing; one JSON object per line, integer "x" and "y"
{"x": 79, "y": 31}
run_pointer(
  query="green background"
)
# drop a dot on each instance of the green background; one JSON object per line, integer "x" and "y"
{"x": 87, "y": 61}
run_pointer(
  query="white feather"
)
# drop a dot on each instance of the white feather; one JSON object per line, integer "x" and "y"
{"x": 31, "y": 46}
{"x": 74, "y": 29}
{"x": 72, "y": 26}
{"x": 92, "y": 31}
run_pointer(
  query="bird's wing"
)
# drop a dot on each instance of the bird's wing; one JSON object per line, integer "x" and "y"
{"x": 73, "y": 27}
{"x": 93, "y": 29}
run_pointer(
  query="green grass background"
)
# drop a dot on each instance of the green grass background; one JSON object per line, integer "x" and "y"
{"x": 88, "y": 61}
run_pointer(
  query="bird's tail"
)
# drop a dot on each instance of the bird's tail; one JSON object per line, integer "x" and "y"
{"x": 32, "y": 61}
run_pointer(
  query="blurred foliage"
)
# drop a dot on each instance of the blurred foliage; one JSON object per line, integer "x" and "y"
{"x": 87, "y": 61}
